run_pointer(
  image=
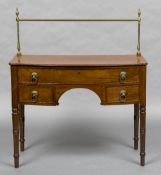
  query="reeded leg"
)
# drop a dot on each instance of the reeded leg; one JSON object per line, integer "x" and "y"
{"x": 136, "y": 125}
{"x": 15, "y": 121}
{"x": 22, "y": 127}
{"x": 142, "y": 133}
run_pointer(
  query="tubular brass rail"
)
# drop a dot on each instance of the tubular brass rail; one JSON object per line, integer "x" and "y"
{"x": 79, "y": 20}
{"x": 18, "y": 20}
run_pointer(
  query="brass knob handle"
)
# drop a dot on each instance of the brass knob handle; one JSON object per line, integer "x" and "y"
{"x": 34, "y": 77}
{"x": 123, "y": 76}
{"x": 123, "y": 95}
{"x": 34, "y": 95}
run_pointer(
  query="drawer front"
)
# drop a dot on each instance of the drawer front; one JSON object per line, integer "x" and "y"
{"x": 34, "y": 94}
{"x": 81, "y": 76}
{"x": 122, "y": 94}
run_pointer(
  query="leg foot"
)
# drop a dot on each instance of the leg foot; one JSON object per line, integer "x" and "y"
{"x": 142, "y": 159}
{"x": 16, "y": 161}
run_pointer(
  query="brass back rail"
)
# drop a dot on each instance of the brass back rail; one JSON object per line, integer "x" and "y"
{"x": 18, "y": 20}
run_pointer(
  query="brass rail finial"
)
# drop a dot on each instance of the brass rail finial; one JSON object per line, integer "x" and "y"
{"x": 17, "y": 15}
{"x": 18, "y": 33}
{"x": 139, "y": 13}
{"x": 139, "y": 24}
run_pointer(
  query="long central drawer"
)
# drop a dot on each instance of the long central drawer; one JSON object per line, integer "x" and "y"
{"x": 78, "y": 76}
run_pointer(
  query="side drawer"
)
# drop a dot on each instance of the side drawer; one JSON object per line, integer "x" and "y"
{"x": 122, "y": 94}
{"x": 36, "y": 75}
{"x": 36, "y": 94}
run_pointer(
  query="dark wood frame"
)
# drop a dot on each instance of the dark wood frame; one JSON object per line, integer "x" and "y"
{"x": 18, "y": 116}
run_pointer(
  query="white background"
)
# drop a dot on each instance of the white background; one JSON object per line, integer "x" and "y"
{"x": 110, "y": 148}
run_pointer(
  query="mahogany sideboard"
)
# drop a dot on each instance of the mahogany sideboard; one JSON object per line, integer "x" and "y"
{"x": 41, "y": 80}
